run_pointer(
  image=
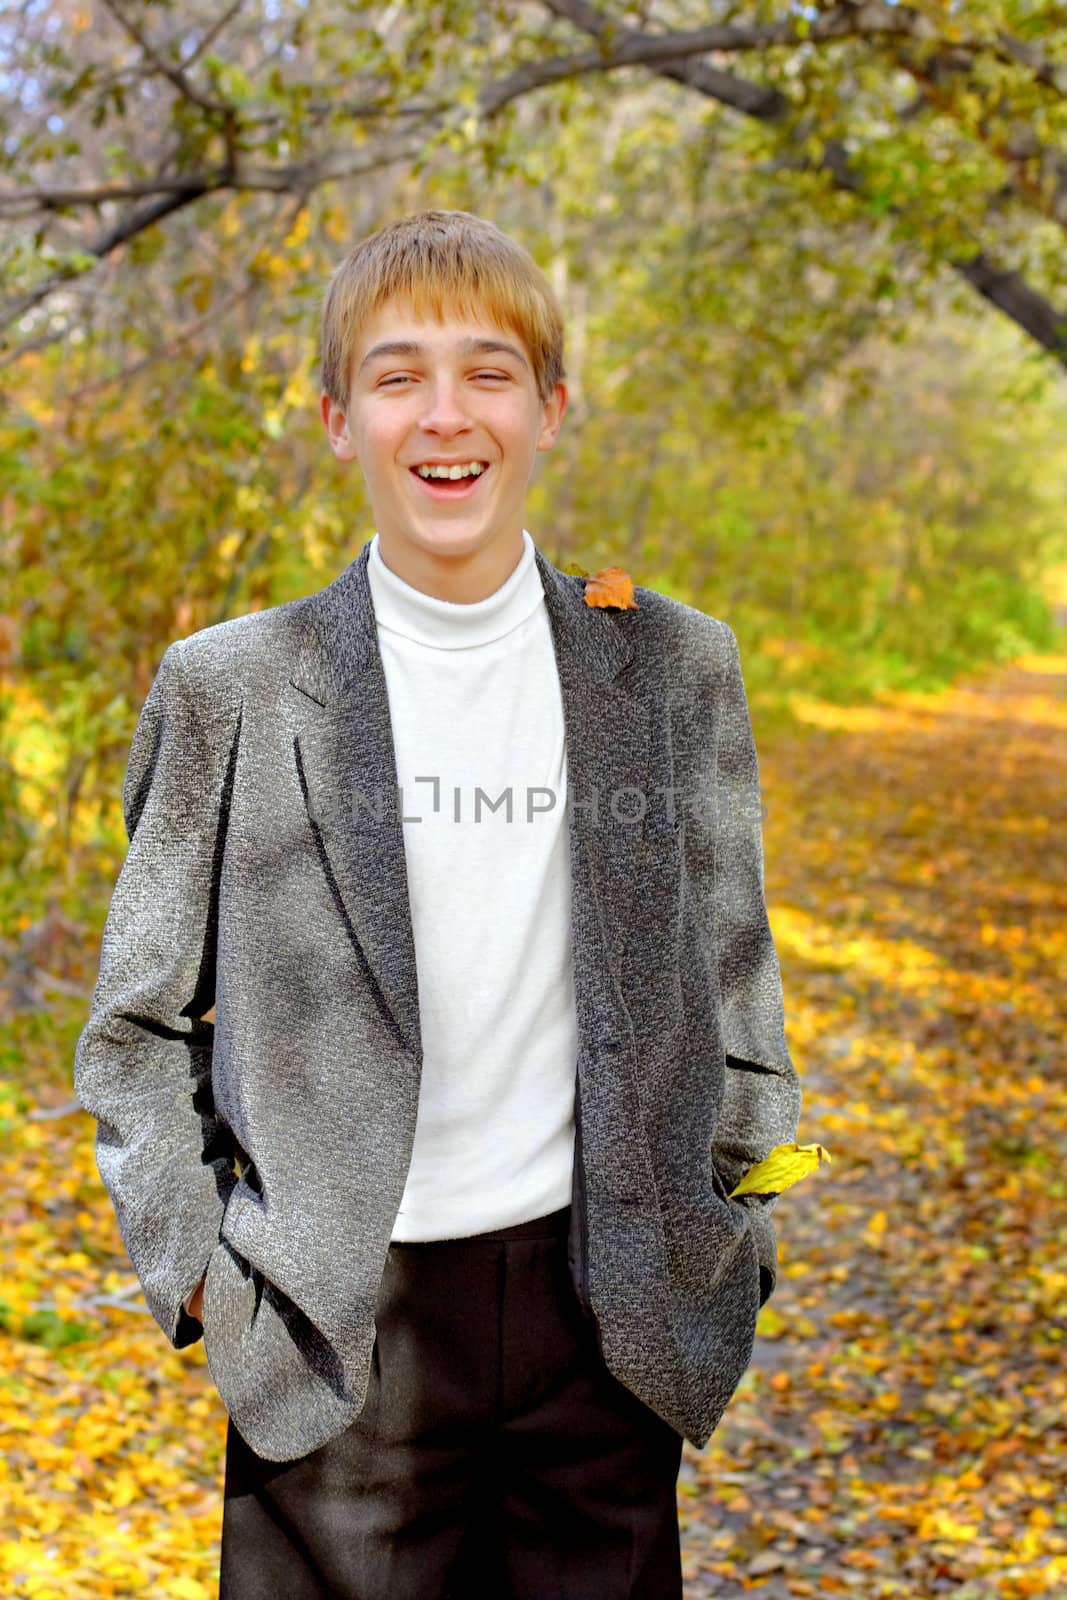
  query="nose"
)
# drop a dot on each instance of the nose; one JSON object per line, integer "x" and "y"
{"x": 444, "y": 412}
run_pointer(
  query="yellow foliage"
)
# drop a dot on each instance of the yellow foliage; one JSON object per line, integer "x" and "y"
{"x": 916, "y": 1313}
{"x": 299, "y": 231}
{"x": 298, "y": 390}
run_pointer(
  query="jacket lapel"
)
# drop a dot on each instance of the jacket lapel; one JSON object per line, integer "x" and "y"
{"x": 337, "y": 710}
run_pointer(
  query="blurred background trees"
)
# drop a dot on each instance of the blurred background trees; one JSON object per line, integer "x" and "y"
{"x": 811, "y": 260}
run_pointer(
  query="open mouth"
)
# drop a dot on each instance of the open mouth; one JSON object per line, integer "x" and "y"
{"x": 450, "y": 488}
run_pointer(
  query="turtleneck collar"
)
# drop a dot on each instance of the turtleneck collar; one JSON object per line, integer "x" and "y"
{"x": 401, "y": 609}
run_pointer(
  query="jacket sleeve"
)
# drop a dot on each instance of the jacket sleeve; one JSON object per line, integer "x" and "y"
{"x": 142, "y": 1065}
{"x": 762, "y": 1101}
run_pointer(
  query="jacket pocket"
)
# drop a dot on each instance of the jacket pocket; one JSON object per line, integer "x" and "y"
{"x": 285, "y": 1387}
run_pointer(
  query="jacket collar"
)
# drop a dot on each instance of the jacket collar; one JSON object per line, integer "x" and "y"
{"x": 337, "y": 712}
{"x": 341, "y": 640}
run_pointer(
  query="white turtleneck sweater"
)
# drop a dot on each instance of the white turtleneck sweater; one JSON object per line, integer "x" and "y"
{"x": 474, "y": 702}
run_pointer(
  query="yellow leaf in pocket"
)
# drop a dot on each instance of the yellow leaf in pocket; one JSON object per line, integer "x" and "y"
{"x": 785, "y": 1165}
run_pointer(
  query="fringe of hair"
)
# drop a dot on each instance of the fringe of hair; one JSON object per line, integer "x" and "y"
{"x": 440, "y": 263}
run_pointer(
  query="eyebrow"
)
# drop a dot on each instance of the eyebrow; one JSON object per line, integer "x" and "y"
{"x": 467, "y": 347}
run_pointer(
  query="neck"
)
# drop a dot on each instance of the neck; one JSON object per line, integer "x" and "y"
{"x": 464, "y": 578}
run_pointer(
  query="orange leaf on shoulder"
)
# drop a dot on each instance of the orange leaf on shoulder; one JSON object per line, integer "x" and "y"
{"x": 611, "y": 586}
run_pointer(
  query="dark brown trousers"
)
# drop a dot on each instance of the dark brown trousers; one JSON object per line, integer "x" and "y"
{"x": 496, "y": 1457}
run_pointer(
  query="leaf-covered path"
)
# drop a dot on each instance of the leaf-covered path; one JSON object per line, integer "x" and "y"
{"x": 901, "y": 1429}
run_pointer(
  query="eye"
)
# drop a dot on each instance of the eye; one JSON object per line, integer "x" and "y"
{"x": 494, "y": 377}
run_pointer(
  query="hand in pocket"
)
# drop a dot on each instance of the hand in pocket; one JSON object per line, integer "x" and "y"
{"x": 195, "y": 1303}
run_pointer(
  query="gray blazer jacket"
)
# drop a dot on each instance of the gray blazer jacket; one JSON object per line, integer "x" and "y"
{"x": 266, "y": 876}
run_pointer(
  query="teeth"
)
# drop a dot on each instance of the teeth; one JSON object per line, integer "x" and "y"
{"x": 472, "y": 469}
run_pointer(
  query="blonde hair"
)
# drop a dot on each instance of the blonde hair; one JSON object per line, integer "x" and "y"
{"x": 441, "y": 262}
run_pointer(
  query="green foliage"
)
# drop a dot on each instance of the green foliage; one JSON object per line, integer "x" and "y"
{"x": 785, "y": 408}
{"x": 46, "y": 1328}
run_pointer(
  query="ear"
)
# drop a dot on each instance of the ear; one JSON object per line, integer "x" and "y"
{"x": 555, "y": 408}
{"x": 335, "y": 422}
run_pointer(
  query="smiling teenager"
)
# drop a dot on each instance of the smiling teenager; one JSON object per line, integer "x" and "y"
{"x": 445, "y": 415}
{"x": 445, "y": 1186}
{"x": 496, "y": 1455}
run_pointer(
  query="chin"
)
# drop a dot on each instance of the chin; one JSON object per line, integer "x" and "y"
{"x": 452, "y": 540}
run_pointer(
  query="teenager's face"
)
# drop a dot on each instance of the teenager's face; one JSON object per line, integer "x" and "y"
{"x": 443, "y": 399}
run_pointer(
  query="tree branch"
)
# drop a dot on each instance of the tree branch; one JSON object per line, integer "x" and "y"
{"x": 1047, "y": 192}
{"x": 213, "y": 32}
{"x": 172, "y": 344}
{"x": 622, "y": 46}
{"x": 175, "y": 75}
{"x": 678, "y": 55}
{"x": 133, "y": 223}
{"x": 301, "y": 177}
{"x": 192, "y": 184}
{"x": 1003, "y": 287}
